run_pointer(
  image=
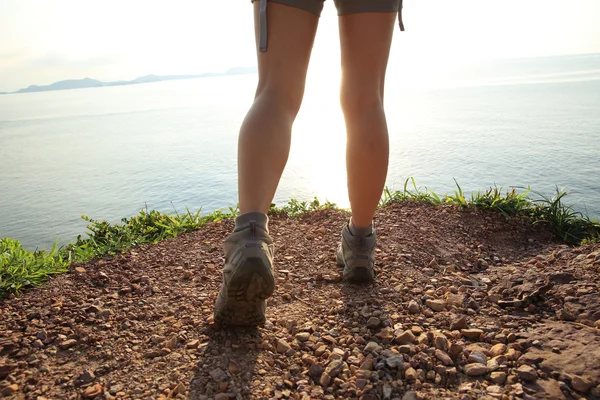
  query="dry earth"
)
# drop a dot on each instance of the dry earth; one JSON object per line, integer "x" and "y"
{"x": 466, "y": 305}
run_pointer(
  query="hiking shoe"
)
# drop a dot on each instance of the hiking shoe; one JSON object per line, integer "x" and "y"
{"x": 357, "y": 255}
{"x": 247, "y": 277}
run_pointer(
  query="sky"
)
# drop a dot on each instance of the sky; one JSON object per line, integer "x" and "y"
{"x": 42, "y": 42}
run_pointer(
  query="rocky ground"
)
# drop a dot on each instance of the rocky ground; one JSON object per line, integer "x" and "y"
{"x": 466, "y": 305}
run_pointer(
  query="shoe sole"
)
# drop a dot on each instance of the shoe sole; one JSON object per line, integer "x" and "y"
{"x": 355, "y": 275}
{"x": 247, "y": 292}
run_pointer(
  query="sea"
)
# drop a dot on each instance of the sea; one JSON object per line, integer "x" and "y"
{"x": 110, "y": 152}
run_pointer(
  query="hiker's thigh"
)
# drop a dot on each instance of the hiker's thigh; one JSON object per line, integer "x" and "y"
{"x": 365, "y": 40}
{"x": 291, "y": 32}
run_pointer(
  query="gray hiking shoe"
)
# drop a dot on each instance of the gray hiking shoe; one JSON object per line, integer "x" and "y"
{"x": 247, "y": 277}
{"x": 357, "y": 255}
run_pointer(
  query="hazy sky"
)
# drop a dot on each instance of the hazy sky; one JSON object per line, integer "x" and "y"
{"x": 45, "y": 41}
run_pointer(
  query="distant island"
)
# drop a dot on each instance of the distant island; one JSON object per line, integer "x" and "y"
{"x": 91, "y": 83}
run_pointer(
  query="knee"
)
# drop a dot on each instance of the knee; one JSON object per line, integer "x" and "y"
{"x": 285, "y": 98}
{"x": 358, "y": 102}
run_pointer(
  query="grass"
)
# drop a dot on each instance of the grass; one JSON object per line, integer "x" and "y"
{"x": 20, "y": 268}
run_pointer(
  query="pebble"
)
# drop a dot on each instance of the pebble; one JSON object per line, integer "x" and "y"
{"x": 372, "y": 346}
{"x": 413, "y": 307}
{"x": 476, "y": 369}
{"x": 92, "y": 391}
{"x": 497, "y": 349}
{"x": 459, "y": 323}
{"x": 581, "y": 384}
{"x": 405, "y": 338}
{"x": 325, "y": 379}
{"x": 302, "y": 336}
{"x": 282, "y": 346}
{"x": 436, "y": 305}
{"x": 85, "y": 377}
{"x": 410, "y": 374}
{"x": 410, "y": 395}
{"x": 471, "y": 333}
{"x": 527, "y": 373}
{"x": 477, "y": 357}
{"x": 373, "y": 322}
{"x": 315, "y": 370}
{"x": 498, "y": 377}
{"x": 67, "y": 344}
{"x": 334, "y": 368}
{"x": 443, "y": 357}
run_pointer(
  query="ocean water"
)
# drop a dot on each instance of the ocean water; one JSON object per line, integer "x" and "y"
{"x": 109, "y": 152}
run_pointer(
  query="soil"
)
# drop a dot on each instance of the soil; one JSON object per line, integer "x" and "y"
{"x": 466, "y": 305}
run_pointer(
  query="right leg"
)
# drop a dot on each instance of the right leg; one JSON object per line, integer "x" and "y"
{"x": 263, "y": 148}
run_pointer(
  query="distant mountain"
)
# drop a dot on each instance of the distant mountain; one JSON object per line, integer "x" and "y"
{"x": 64, "y": 85}
{"x": 90, "y": 83}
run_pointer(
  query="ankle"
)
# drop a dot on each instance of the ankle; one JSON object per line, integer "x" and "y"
{"x": 243, "y": 221}
{"x": 357, "y": 230}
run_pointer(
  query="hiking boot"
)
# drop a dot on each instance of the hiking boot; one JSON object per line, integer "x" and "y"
{"x": 356, "y": 254}
{"x": 247, "y": 276}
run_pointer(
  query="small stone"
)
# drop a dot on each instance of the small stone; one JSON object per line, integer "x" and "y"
{"x": 315, "y": 370}
{"x": 411, "y": 395}
{"x": 459, "y": 323}
{"x": 221, "y": 396}
{"x": 373, "y": 322}
{"x": 218, "y": 375}
{"x": 37, "y": 344}
{"x": 413, "y": 307}
{"x": 440, "y": 341}
{"x": 321, "y": 349}
{"x": 477, "y": 357}
{"x": 302, "y": 336}
{"x": 334, "y": 368}
{"x": 67, "y": 344}
{"x": 325, "y": 379}
{"x": 497, "y": 350}
{"x": 443, "y": 357}
{"x": 361, "y": 383}
{"x": 81, "y": 270}
{"x": 372, "y": 346}
{"x": 581, "y": 384}
{"x": 234, "y": 368}
{"x": 171, "y": 343}
{"x": 405, "y": 338}
{"x": 85, "y": 377}
{"x": 527, "y": 373}
{"x": 410, "y": 374}
{"x": 9, "y": 390}
{"x": 92, "y": 391}
{"x": 192, "y": 344}
{"x": 387, "y": 391}
{"x": 282, "y": 346}
{"x": 476, "y": 369}
{"x": 498, "y": 377}
{"x": 395, "y": 361}
{"x": 455, "y": 350}
{"x": 471, "y": 333}
{"x": 436, "y": 305}
{"x": 367, "y": 364}
{"x": 495, "y": 389}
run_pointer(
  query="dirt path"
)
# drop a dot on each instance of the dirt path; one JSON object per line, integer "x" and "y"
{"x": 466, "y": 305}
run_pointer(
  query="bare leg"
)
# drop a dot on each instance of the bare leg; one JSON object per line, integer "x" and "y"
{"x": 365, "y": 40}
{"x": 265, "y": 135}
